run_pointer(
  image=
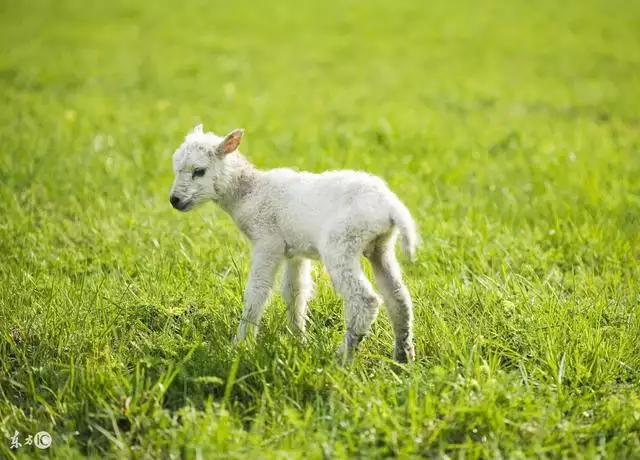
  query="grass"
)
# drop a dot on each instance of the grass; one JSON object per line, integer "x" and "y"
{"x": 509, "y": 128}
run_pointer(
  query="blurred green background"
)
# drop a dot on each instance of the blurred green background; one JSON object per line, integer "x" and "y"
{"x": 509, "y": 128}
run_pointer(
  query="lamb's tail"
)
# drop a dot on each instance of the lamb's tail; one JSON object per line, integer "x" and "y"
{"x": 401, "y": 218}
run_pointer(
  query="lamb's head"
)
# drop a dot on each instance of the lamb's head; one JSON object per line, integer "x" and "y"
{"x": 202, "y": 167}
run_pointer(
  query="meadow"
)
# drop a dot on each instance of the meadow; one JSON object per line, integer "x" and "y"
{"x": 511, "y": 129}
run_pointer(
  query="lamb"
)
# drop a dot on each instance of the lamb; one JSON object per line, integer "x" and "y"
{"x": 292, "y": 217}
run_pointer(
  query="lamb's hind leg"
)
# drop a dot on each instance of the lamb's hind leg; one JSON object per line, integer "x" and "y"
{"x": 396, "y": 295}
{"x": 297, "y": 286}
{"x": 360, "y": 300}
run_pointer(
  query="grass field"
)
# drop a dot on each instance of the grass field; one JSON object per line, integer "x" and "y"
{"x": 510, "y": 128}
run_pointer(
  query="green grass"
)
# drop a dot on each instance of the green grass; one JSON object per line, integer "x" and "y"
{"x": 510, "y": 129}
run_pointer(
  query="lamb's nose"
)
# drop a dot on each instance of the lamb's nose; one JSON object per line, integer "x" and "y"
{"x": 175, "y": 201}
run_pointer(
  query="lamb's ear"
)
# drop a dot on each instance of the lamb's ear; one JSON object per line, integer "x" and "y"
{"x": 197, "y": 129}
{"x": 230, "y": 142}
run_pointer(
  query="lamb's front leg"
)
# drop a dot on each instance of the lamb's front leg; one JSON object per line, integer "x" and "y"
{"x": 264, "y": 266}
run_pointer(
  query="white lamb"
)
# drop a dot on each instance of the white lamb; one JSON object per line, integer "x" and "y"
{"x": 291, "y": 217}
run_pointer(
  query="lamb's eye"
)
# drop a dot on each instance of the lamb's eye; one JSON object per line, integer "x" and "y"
{"x": 198, "y": 172}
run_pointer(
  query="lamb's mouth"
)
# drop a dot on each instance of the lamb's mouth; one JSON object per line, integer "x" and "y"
{"x": 184, "y": 206}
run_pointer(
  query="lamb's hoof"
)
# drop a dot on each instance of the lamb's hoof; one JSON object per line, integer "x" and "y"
{"x": 344, "y": 359}
{"x": 404, "y": 353}
{"x": 239, "y": 340}
{"x": 348, "y": 347}
{"x": 297, "y": 334}
{"x": 342, "y": 356}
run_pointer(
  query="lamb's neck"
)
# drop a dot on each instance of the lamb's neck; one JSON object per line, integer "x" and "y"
{"x": 240, "y": 182}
